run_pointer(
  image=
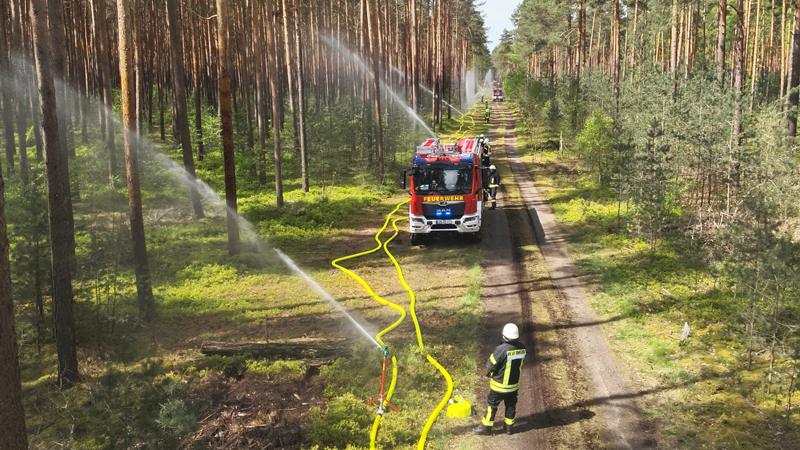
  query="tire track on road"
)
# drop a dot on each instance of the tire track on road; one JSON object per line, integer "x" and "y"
{"x": 601, "y": 388}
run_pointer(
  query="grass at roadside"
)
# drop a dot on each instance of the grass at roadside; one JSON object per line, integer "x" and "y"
{"x": 701, "y": 394}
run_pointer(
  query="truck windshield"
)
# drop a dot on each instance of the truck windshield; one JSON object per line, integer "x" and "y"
{"x": 443, "y": 180}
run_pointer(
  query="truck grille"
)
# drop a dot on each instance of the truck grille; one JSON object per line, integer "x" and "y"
{"x": 456, "y": 210}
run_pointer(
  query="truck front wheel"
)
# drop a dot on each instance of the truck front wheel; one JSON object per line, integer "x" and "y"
{"x": 416, "y": 239}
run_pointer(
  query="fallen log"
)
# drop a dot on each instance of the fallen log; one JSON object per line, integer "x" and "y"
{"x": 312, "y": 351}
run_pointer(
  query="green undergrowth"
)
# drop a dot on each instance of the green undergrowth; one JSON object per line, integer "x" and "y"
{"x": 138, "y": 377}
{"x": 701, "y": 395}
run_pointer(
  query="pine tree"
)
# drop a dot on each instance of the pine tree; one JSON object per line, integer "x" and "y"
{"x": 144, "y": 288}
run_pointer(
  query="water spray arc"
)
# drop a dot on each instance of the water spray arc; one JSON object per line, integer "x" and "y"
{"x": 213, "y": 200}
{"x": 427, "y": 89}
{"x": 341, "y": 48}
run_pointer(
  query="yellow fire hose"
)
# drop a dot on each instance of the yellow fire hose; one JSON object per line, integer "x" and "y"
{"x": 440, "y": 406}
{"x": 459, "y": 134}
{"x": 432, "y": 418}
{"x": 374, "y": 433}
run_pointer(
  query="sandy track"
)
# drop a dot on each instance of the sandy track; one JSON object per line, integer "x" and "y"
{"x": 576, "y": 396}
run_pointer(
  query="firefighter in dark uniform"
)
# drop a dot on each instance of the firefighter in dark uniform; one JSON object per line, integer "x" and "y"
{"x": 505, "y": 367}
{"x": 494, "y": 183}
{"x": 488, "y": 114}
{"x": 486, "y": 151}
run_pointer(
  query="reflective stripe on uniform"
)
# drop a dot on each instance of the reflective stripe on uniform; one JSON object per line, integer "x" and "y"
{"x": 510, "y": 421}
{"x": 486, "y": 420}
{"x": 491, "y": 358}
{"x": 494, "y": 185}
{"x": 503, "y": 388}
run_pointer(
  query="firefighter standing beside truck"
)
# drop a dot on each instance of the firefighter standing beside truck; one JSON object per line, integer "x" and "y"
{"x": 486, "y": 151}
{"x": 504, "y": 368}
{"x": 494, "y": 183}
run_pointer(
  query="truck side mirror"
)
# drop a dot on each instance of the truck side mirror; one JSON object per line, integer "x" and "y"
{"x": 403, "y": 180}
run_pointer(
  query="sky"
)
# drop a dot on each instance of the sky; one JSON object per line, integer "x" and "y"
{"x": 497, "y": 15}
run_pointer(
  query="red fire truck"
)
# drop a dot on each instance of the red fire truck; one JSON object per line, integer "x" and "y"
{"x": 446, "y": 187}
{"x": 497, "y": 95}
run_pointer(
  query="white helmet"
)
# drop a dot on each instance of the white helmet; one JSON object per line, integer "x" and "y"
{"x": 492, "y": 167}
{"x": 511, "y": 332}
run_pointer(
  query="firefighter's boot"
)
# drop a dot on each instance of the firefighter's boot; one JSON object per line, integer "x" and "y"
{"x": 482, "y": 430}
{"x": 508, "y": 428}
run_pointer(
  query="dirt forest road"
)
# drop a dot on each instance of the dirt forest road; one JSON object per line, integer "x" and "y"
{"x": 573, "y": 393}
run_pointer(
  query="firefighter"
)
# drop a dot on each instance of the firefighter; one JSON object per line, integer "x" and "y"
{"x": 494, "y": 183}
{"x": 488, "y": 114}
{"x": 486, "y": 151}
{"x": 504, "y": 368}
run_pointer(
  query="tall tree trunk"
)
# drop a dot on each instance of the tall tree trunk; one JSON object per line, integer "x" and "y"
{"x": 301, "y": 102}
{"x": 13, "y": 434}
{"x": 7, "y": 93}
{"x": 373, "y": 46}
{"x": 722, "y": 20}
{"x": 413, "y": 33}
{"x": 22, "y": 133}
{"x": 59, "y": 210}
{"x": 33, "y": 99}
{"x": 673, "y": 49}
{"x": 615, "y": 35}
{"x": 104, "y": 62}
{"x": 247, "y": 84}
{"x": 289, "y": 75}
{"x": 581, "y": 44}
{"x": 261, "y": 101}
{"x": 58, "y": 39}
{"x": 227, "y": 127}
{"x": 182, "y": 119}
{"x": 276, "y": 101}
{"x": 794, "y": 74}
{"x": 739, "y": 72}
{"x": 784, "y": 56}
{"x": 144, "y": 289}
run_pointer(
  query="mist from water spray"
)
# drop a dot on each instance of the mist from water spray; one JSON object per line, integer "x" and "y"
{"x": 210, "y": 198}
{"x": 428, "y": 90}
{"x": 335, "y": 44}
{"x": 218, "y": 205}
{"x": 470, "y": 92}
{"x": 488, "y": 79}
